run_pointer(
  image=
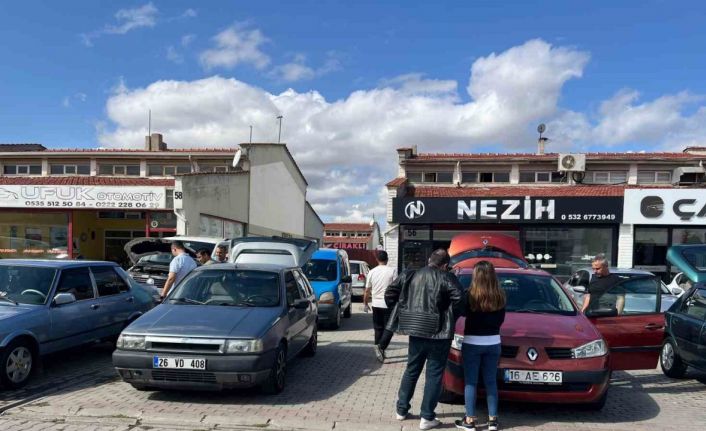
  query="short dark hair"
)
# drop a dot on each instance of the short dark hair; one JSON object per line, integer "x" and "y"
{"x": 439, "y": 258}
{"x": 178, "y": 245}
{"x": 203, "y": 251}
{"x": 381, "y": 256}
{"x": 222, "y": 247}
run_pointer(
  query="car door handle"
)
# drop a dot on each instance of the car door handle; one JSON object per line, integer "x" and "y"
{"x": 653, "y": 326}
{"x": 95, "y": 307}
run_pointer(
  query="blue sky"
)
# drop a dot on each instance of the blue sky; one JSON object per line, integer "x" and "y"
{"x": 365, "y": 77}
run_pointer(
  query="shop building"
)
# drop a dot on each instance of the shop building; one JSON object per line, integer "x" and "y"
{"x": 353, "y": 236}
{"x": 563, "y": 208}
{"x": 90, "y": 202}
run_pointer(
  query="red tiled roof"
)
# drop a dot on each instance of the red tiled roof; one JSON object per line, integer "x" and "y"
{"x": 85, "y": 181}
{"x": 343, "y": 240}
{"x": 365, "y": 227}
{"x": 425, "y": 157}
{"x": 397, "y": 182}
{"x": 514, "y": 191}
{"x": 140, "y": 150}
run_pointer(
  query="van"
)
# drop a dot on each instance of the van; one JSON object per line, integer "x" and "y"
{"x": 329, "y": 273}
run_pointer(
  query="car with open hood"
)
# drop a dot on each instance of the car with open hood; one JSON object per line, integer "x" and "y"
{"x": 684, "y": 343}
{"x": 551, "y": 351}
{"x": 151, "y": 257}
{"x": 229, "y": 325}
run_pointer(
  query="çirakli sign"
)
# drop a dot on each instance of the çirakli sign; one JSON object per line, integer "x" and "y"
{"x": 43, "y": 196}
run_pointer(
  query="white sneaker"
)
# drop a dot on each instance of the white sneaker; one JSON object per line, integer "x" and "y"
{"x": 429, "y": 424}
{"x": 401, "y": 417}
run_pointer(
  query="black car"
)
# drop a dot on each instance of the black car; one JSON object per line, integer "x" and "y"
{"x": 685, "y": 335}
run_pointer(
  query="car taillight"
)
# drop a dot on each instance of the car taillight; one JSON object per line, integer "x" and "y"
{"x": 361, "y": 277}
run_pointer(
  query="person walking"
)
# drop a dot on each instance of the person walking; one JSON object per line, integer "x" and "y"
{"x": 428, "y": 301}
{"x": 379, "y": 278}
{"x": 179, "y": 267}
{"x": 485, "y": 314}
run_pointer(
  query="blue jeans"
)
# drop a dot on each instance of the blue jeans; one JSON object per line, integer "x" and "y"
{"x": 434, "y": 353}
{"x": 485, "y": 359}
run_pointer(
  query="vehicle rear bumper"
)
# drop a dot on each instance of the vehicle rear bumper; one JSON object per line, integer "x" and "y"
{"x": 222, "y": 372}
{"x": 358, "y": 291}
{"x": 585, "y": 386}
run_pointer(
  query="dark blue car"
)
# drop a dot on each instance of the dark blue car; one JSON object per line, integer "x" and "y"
{"x": 685, "y": 335}
{"x": 51, "y": 305}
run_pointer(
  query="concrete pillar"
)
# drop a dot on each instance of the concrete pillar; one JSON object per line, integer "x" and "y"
{"x": 626, "y": 241}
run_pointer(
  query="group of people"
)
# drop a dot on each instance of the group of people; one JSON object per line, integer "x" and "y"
{"x": 182, "y": 264}
{"x": 424, "y": 304}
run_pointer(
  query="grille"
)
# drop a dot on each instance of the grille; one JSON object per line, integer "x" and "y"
{"x": 179, "y": 347}
{"x": 509, "y": 351}
{"x": 564, "y": 387}
{"x": 158, "y": 282}
{"x": 183, "y": 376}
{"x": 559, "y": 353}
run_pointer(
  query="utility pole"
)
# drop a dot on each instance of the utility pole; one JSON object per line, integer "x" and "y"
{"x": 251, "y": 134}
{"x": 279, "y": 136}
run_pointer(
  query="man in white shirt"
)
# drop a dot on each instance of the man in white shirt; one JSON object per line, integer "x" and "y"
{"x": 179, "y": 267}
{"x": 378, "y": 279}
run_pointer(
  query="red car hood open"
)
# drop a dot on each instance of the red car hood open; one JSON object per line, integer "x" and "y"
{"x": 503, "y": 251}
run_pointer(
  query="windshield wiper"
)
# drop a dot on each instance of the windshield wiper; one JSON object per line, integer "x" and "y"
{"x": 12, "y": 301}
{"x": 187, "y": 301}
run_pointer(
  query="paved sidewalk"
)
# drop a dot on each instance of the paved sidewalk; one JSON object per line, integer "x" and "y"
{"x": 344, "y": 388}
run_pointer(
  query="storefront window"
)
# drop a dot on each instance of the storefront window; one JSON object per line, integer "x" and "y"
{"x": 33, "y": 235}
{"x": 561, "y": 251}
{"x": 650, "y": 247}
{"x": 163, "y": 220}
{"x": 688, "y": 236}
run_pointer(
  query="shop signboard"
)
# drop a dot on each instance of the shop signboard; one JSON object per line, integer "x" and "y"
{"x": 665, "y": 206}
{"x": 82, "y": 197}
{"x": 508, "y": 210}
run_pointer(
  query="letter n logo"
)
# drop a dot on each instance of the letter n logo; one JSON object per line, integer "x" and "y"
{"x": 414, "y": 210}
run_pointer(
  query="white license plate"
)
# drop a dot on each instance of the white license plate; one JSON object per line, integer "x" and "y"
{"x": 179, "y": 363}
{"x": 534, "y": 377}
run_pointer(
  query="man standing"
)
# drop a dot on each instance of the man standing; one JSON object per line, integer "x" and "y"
{"x": 180, "y": 266}
{"x": 379, "y": 278}
{"x": 204, "y": 257}
{"x": 221, "y": 254}
{"x": 428, "y": 302}
{"x": 601, "y": 293}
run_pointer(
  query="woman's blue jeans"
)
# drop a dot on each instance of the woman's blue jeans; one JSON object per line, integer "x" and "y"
{"x": 484, "y": 359}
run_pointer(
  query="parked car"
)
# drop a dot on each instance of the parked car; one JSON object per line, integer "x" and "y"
{"x": 151, "y": 256}
{"x": 684, "y": 342}
{"x": 359, "y": 273}
{"x": 579, "y": 281}
{"x": 330, "y": 275}
{"x": 52, "y": 305}
{"x": 679, "y": 284}
{"x": 230, "y": 325}
{"x": 551, "y": 352}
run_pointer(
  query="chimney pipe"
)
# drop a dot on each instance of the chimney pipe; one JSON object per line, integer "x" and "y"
{"x": 540, "y": 145}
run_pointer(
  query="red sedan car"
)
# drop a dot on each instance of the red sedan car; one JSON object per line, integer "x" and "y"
{"x": 551, "y": 352}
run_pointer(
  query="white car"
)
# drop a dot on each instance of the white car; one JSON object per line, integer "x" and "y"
{"x": 679, "y": 284}
{"x": 359, "y": 274}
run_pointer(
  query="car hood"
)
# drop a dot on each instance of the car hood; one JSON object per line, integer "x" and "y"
{"x": 140, "y": 247}
{"x": 689, "y": 259}
{"x": 503, "y": 250}
{"x": 8, "y": 311}
{"x": 544, "y": 330}
{"x": 208, "y": 321}
{"x": 324, "y": 286}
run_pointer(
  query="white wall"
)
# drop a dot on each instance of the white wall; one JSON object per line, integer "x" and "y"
{"x": 391, "y": 245}
{"x": 625, "y": 245}
{"x": 220, "y": 195}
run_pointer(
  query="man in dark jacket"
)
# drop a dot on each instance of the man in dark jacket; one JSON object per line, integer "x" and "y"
{"x": 428, "y": 302}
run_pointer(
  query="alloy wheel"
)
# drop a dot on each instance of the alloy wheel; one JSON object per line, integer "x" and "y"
{"x": 281, "y": 368}
{"x": 667, "y": 356}
{"x": 19, "y": 364}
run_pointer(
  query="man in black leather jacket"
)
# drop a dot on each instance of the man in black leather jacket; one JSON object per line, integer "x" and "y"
{"x": 428, "y": 302}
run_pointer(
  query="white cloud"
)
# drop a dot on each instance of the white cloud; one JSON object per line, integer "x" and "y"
{"x": 415, "y": 83}
{"x": 126, "y": 20}
{"x": 187, "y": 39}
{"x": 173, "y": 55}
{"x": 66, "y": 102}
{"x": 236, "y": 45}
{"x": 189, "y": 13}
{"x": 297, "y": 70}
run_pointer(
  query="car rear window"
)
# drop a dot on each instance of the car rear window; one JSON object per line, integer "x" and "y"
{"x": 355, "y": 268}
{"x": 321, "y": 270}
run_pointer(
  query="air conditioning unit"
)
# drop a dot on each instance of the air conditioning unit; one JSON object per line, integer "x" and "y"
{"x": 572, "y": 162}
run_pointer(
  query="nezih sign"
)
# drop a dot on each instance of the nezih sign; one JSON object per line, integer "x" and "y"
{"x": 508, "y": 210}
{"x": 57, "y": 197}
{"x": 665, "y": 206}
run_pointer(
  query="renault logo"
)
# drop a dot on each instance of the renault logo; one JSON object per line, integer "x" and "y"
{"x": 414, "y": 210}
{"x": 532, "y": 354}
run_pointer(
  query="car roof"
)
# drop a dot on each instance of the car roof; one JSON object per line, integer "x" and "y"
{"x": 358, "y": 261}
{"x": 326, "y": 253}
{"x": 53, "y": 263}
{"x": 207, "y": 239}
{"x": 244, "y": 266}
{"x": 518, "y": 271}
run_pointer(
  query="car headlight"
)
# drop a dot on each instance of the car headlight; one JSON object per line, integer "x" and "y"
{"x": 457, "y": 342}
{"x": 244, "y": 346}
{"x": 326, "y": 298}
{"x": 590, "y": 350}
{"x": 131, "y": 342}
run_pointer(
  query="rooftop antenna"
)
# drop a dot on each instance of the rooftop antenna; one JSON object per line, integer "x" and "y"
{"x": 279, "y": 136}
{"x": 251, "y": 133}
{"x": 542, "y": 140}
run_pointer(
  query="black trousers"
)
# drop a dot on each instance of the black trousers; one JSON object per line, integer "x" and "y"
{"x": 380, "y": 318}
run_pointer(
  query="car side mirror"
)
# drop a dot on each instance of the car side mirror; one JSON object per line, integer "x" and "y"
{"x": 64, "y": 298}
{"x": 346, "y": 279}
{"x": 579, "y": 289}
{"x": 301, "y": 304}
{"x": 677, "y": 291}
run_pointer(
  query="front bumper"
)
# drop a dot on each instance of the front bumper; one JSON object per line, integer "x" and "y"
{"x": 327, "y": 312}
{"x": 578, "y": 386}
{"x": 222, "y": 371}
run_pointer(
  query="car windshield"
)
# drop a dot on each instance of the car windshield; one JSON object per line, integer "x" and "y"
{"x": 527, "y": 293}
{"x": 228, "y": 287}
{"x": 159, "y": 259}
{"x": 321, "y": 270}
{"x": 696, "y": 256}
{"x": 25, "y": 284}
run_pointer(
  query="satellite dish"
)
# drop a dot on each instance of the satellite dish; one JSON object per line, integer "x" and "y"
{"x": 541, "y": 128}
{"x": 236, "y": 158}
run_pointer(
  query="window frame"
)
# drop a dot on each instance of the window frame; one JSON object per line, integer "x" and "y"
{"x": 112, "y": 270}
{"x": 90, "y": 277}
{"x": 286, "y": 289}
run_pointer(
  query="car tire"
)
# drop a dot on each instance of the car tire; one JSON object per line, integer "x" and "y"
{"x": 310, "y": 349}
{"x": 337, "y": 319}
{"x": 448, "y": 397}
{"x": 669, "y": 360}
{"x": 278, "y": 373}
{"x": 348, "y": 312}
{"x": 598, "y": 404}
{"x": 18, "y": 354}
{"x": 141, "y": 388}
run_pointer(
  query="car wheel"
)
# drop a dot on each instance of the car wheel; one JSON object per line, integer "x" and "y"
{"x": 278, "y": 373}
{"x": 337, "y": 319}
{"x": 348, "y": 311}
{"x": 596, "y": 405}
{"x": 141, "y": 388}
{"x": 17, "y": 361}
{"x": 310, "y": 349}
{"x": 669, "y": 360}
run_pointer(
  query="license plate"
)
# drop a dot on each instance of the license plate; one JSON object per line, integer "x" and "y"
{"x": 179, "y": 363}
{"x": 534, "y": 377}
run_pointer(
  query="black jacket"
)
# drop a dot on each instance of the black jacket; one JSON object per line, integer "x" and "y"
{"x": 427, "y": 302}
